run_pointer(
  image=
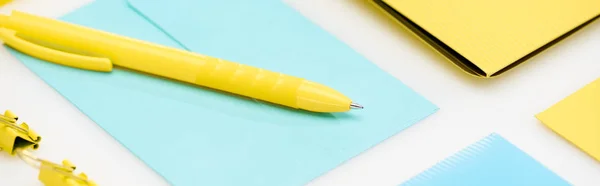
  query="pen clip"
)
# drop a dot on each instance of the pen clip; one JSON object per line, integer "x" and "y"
{"x": 59, "y": 57}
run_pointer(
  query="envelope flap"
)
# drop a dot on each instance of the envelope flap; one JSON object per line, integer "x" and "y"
{"x": 493, "y": 35}
{"x": 267, "y": 34}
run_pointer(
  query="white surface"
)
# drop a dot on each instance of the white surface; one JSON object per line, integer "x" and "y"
{"x": 470, "y": 108}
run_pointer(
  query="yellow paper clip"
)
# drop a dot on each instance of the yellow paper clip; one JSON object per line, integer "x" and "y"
{"x": 13, "y": 136}
{"x": 52, "y": 174}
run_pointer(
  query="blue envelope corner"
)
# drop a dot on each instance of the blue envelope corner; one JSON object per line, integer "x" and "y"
{"x": 194, "y": 136}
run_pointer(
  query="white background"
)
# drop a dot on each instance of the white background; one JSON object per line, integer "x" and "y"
{"x": 470, "y": 108}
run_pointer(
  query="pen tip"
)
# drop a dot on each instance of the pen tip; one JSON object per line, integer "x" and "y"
{"x": 356, "y": 106}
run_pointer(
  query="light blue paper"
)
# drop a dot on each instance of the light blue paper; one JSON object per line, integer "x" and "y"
{"x": 492, "y": 161}
{"x": 194, "y": 136}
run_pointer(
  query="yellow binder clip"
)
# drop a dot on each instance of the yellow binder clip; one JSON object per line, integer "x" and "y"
{"x": 52, "y": 174}
{"x": 13, "y": 136}
{"x": 18, "y": 139}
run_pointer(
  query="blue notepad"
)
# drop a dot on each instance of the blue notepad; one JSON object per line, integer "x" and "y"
{"x": 195, "y": 136}
{"x": 492, "y": 161}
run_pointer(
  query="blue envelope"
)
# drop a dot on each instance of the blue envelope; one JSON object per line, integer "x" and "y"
{"x": 491, "y": 161}
{"x": 191, "y": 135}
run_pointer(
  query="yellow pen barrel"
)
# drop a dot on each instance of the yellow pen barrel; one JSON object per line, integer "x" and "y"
{"x": 122, "y": 51}
{"x": 182, "y": 65}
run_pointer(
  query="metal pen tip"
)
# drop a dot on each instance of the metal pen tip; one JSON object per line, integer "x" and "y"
{"x": 356, "y": 106}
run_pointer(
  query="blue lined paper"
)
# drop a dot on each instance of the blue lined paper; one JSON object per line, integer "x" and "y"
{"x": 492, "y": 161}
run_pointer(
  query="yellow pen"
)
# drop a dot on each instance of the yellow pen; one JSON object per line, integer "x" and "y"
{"x": 19, "y": 29}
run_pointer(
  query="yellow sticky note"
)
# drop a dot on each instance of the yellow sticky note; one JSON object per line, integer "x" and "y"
{"x": 577, "y": 118}
{"x": 486, "y": 38}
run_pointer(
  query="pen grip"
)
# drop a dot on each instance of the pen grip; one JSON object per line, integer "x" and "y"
{"x": 250, "y": 81}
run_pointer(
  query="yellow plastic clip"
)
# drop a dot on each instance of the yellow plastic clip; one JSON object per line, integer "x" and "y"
{"x": 52, "y": 174}
{"x": 13, "y": 136}
{"x": 52, "y": 55}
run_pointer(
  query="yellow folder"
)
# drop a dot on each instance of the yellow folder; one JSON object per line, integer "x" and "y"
{"x": 577, "y": 118}
{"x": 486, "y": 38}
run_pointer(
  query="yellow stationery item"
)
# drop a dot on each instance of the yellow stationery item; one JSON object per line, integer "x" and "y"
{"x": 487, "y": 38}
{"x": 25, "y": 32}
{"x": 3, "y": 2}
{"x": 13, "y": 136}
{"x": 50, "y": 174}
{"x": 577, "y": 118}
